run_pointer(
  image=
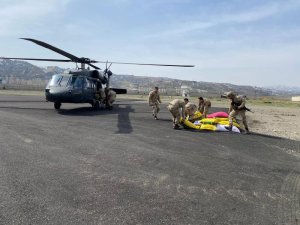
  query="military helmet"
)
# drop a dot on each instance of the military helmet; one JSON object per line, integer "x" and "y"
{"x": 190, "y": 106}
{"x": 230, "y": 94}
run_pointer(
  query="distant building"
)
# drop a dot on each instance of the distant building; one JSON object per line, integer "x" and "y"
{"x": 185, "y": 91}
{"x": 296, "y": 99}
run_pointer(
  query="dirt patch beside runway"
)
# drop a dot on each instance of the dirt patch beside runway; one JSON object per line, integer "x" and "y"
{"x": 276, "y": 121}
{"x": 272, "y": 120}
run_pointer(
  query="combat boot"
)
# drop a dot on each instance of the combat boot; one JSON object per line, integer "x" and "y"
{"x": 176, "y": 126}
{"x": 247, "y": 130}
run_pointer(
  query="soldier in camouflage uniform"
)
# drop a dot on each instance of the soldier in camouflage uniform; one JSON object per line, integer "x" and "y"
{"x": 190, "y": 109}
{"x": 204, "y": 106}
{"x": 154, "y": 100}
{"x": 110, "y": 98}
{"x": 237, "y": 107}
{"x": 177, "y": 109}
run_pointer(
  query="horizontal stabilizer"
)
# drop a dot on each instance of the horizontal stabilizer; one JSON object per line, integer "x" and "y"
{"x": 119, "y": 90}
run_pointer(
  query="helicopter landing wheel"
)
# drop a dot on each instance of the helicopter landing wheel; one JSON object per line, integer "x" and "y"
{"x": 96, "y": 105}
{"x": 57, "y": 105}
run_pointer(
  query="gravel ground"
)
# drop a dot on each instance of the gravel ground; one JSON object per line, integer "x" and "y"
{"x": 276, "y": 121}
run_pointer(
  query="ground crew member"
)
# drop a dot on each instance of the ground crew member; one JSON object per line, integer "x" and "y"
{"x": 190, "y": 109}
{"x": 101, "y": 94}
{"x": 154, "y": 100}
{"x": 110, "y": 98}
{"x": 204, "y": 106}
{"x": 237, "y": 107}
{"x": 177, "y": 109}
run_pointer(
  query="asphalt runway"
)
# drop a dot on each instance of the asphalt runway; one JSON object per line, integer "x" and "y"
{"x": 80, "y": 166}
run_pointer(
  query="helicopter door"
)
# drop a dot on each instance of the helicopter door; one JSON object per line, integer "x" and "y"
{"x": 77, "y": 87}
{"x": 89, "y": 89}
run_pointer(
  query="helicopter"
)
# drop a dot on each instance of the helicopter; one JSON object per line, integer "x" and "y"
{"x": 82, "y": 85}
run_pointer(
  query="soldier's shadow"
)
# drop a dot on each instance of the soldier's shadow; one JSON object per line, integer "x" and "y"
{"x": 124, "y": 124}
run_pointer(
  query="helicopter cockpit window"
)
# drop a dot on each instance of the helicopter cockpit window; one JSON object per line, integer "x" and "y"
{"x": 76, "y": 82}
{"x": 88, "y": 84}
{"x": 64, "y": 81}
{"x": 55, "y": 80}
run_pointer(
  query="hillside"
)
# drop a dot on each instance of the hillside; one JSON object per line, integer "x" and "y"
{"x": 21, "y": 72}
{"x": 170, "y": 86}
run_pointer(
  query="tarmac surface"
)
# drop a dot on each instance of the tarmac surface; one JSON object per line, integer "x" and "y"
{"x": 80, "y": 166}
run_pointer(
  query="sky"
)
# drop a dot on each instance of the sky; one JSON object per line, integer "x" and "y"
{"x": 254, "y": 42}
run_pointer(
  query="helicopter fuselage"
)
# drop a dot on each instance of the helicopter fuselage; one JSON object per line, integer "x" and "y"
{"x": 70, "y": 88}
{"x": 81, "y": 86}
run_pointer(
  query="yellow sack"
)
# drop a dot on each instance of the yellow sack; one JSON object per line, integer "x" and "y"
{"x": 208, "y": 127}
{"x": 189, "y": 124}
{"x": 225, "y": 119}
{"x": 196, "y": 116}
{"x": 210, "y": 121}
{"x": 227, "y": 123}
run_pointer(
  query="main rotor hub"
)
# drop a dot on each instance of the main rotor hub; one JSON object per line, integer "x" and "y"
{"x": 85, "y": 60}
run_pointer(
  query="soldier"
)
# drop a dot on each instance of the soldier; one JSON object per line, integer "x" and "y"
{"x": 110, "y": 98}
{"x": 237, "y": 106}
{"x": 190, "y": 109}
{"x": 177, "y": 109}
{"x": 154, "y": 100}
{"x": 204, "y": 106}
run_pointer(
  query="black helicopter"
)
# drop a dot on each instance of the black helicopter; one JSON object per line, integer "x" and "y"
{"x": 82, "y": 85}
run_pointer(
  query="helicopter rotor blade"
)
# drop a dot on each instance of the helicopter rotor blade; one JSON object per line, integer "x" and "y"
{"x": 37, "y": 59}
{"x": 57, "y": 50}
{"x": 95, "y": 67}
{"x": 83, "y": 60}
{"x": 146, "y": 64}
{"x": 109, "y": 65}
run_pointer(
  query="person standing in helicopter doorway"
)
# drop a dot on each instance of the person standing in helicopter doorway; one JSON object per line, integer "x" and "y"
{"x": 154, "y": 101}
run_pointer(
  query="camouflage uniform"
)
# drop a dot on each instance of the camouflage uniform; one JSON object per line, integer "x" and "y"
{"x": 154, "y": 100}
{"x": 101, "y": 94}
{"x": 111, "y": 97}
{"x": 190, "y": 109}
{"x": 204, "y": 107}
{"x": 174, "y": 107}
{"x": 237, "y": 107}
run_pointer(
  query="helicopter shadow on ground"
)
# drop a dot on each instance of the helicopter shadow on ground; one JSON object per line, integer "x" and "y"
{"x": 124, "y": 123}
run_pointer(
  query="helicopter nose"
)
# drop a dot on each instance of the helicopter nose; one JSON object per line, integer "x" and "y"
{"x": 51, "y": 95}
